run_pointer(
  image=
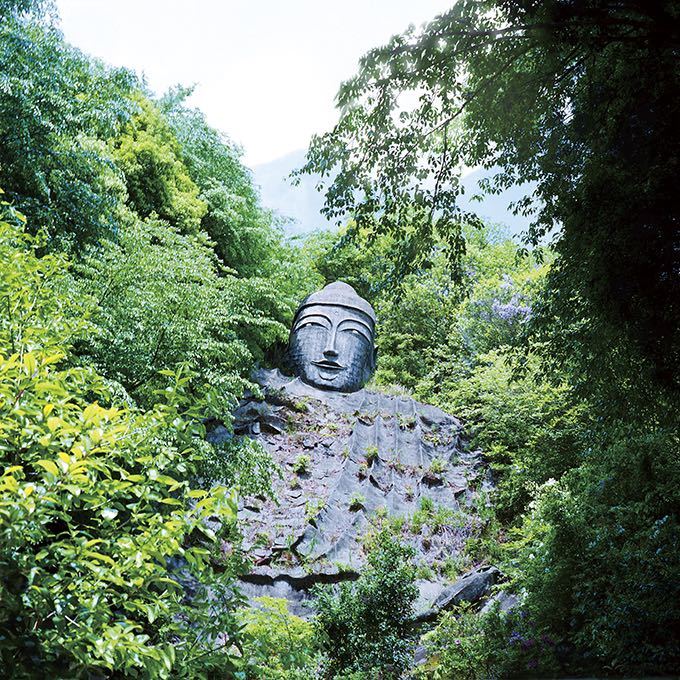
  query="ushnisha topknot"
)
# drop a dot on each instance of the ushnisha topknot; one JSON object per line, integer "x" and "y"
{"x": 338, "y": 294}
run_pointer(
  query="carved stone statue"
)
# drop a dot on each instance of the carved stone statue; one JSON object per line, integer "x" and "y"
{"x": 350, "y": 457}
{"x": 331, "y": 342}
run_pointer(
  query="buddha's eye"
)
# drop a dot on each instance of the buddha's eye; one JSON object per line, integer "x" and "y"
{"x": 355, "y": 332}
{"x": 308, "y": 324}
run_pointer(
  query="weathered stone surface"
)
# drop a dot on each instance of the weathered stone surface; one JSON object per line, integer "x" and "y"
{"x": 471, "y": 587}
{"x": 506, "y": 601}
{"x": 361, "y": 445}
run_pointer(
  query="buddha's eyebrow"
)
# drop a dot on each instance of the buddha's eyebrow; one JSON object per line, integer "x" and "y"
{"x": 364, "y": 328}
{"x": 312, "y": 315}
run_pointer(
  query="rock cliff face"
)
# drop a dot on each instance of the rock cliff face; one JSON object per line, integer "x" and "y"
{"x": 350, "y": 461}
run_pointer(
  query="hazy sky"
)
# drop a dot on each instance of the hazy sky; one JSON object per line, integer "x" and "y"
{"x": 266, "y": 71}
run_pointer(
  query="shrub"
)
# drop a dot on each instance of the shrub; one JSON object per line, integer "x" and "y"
{"x": 371, "y": 454}
{"x": 493, "y": 645}
{"x": 277, "y": 645}
{"x": 301, "y": 464}
{"x": 96, "y": 504}
{"x": 364, "y": 626}
{"x": 357, "y": 501}
{"x": 161, "y": 301}
{"x": 598, "y": 553}
{"x": 438, "y": 466}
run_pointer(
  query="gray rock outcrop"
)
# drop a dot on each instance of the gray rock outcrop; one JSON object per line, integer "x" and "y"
{"x": 349, "y": 460}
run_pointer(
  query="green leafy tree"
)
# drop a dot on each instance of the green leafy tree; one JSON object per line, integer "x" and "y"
{"x": 359, "y": 262}
{"x": 55, "y": 104}
{"x": 158, "y": 183}
{"x": 579, "y": 98}
{"x": 19, "y": 7}
{"x": 530, "y": 429}
{"x": 162, "y": 301}
{"x": 96, "y": 504}
{"x": 365, "y": 626}
{"x": 241, "y": 230}
{"x": 469, "y": 645}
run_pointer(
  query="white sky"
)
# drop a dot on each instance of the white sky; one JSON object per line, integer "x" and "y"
{"x": 266, "y": 71}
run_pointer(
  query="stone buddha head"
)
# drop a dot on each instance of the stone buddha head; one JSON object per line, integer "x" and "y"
{"x": 331, "y": 343}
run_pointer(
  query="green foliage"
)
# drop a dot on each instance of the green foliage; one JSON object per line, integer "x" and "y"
{"x": 467, "y": 645}
{"x": 241, "y": 463}
{"x": 356, "y": 262}
{"x": 301, "y": 464}
{"x": 157, "y": 180}
{"x": 54, "y": 105}
{"x": 370, "y": 454}
{"x": 357, "y": 501}
{"x": 598, "y": 553}
{"x": 239, "y": 227}
{"x": 313, "y": 507}
{"x": 530, "y": 429}
{"x": 438, "y": 466}
{"x": 433, "y": 332}
{"x": 19, "y": 7}
{"x": 575, "y": 97}
{"x": 162, "y": 301}
{"x": 364, "y": 627}
{"x": 96, "y": 504}
{"x": 277, "y": 645}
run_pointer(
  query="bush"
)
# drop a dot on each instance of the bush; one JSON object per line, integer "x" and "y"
{"x": 277, "y": 645}
{"x": 96, "y": 504}
{"x": 161, "y": 301}
{"x": 301, "y": 464}
{"x": 599, "y": 553}
{"x": 493, "y": 645}
{"x": 529, "y": 429}
{"x": 364, "y": 626}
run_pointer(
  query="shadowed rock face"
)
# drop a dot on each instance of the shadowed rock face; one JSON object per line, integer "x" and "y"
{"x": 331, "y": 342}
{"x": 370, "y": 455}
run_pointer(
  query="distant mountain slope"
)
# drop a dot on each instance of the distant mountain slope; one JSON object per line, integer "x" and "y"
{"x": 302, "y": 204}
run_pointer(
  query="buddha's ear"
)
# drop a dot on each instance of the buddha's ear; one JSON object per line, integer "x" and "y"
{"x": 375, "y": 357}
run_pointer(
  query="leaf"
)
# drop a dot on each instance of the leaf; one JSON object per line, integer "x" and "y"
{"x": 91, "y": 411}
{"x": 100, "y": 557}
{"x": 30, "y": 363}
{"x": 50, "y": 466}
{"x": 109, "y": 513}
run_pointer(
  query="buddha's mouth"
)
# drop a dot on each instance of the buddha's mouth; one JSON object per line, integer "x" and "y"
{"x": 330, "y": 367}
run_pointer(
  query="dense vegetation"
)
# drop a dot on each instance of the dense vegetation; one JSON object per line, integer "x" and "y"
{"x": 141, "y": 281}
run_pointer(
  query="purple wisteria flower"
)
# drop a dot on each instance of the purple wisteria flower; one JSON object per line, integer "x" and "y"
{"x": 513, "y": 310}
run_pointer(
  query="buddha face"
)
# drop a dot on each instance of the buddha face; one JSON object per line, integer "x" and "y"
{"x": 331, "y": 346}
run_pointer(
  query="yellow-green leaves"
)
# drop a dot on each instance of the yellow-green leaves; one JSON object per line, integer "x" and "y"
{"x": 158, "y": 183}
{"x": 50, "y": 466}
{"x": 96, "y": 501}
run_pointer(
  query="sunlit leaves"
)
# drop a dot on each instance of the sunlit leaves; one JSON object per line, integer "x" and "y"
{"x": 96, "y": 502}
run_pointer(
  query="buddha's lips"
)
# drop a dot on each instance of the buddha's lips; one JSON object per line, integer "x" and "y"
{"x": 329, "y": 365}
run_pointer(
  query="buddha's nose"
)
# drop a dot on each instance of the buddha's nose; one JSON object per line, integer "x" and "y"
{"x": 330, "y": 352}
